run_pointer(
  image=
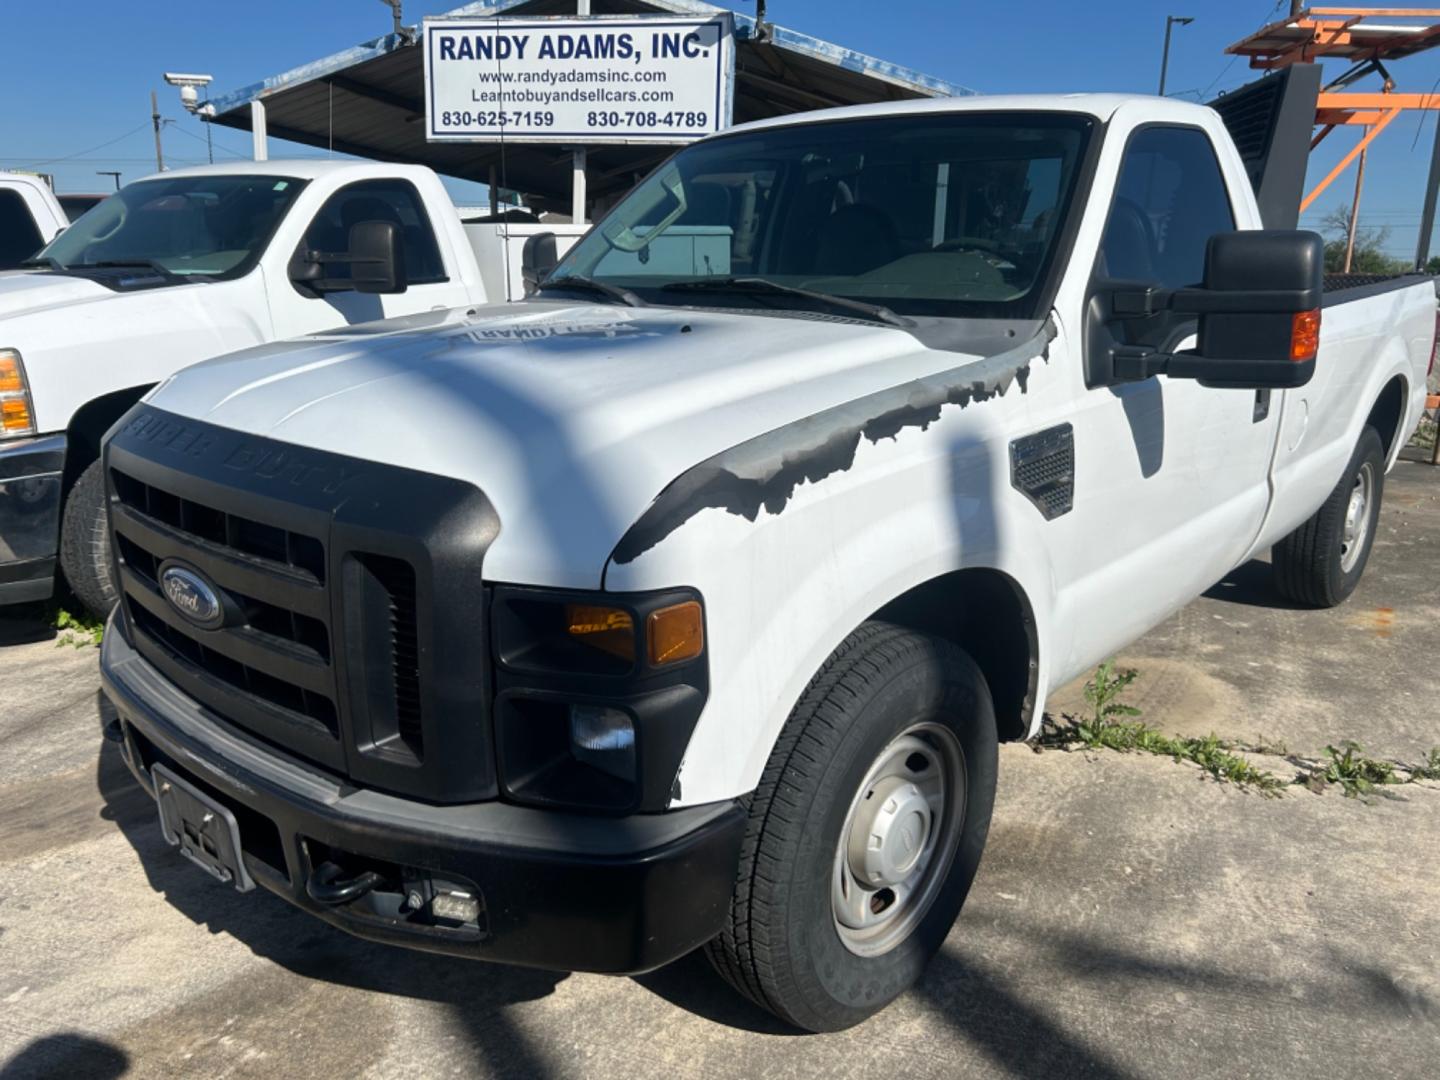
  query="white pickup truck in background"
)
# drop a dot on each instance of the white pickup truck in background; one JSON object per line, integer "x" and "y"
{"x": 688, "y": 601}
{"x": 30, "y": 216}
{"x": 177, "y": 268}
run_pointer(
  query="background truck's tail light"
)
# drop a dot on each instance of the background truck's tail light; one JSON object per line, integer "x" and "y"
{"x": 1305, "y": 335}
{"x": 17, "y": 415}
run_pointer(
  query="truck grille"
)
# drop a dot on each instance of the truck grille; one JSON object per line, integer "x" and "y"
{"x": 271, "y": 673}
{"x": 336, "y": 643}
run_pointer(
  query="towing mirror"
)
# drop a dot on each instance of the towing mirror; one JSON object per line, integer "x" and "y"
{"x": 377, "y": 263}
{"x": 376, "y": 258}
{"x": 1259, "y": 314}
{"x": 537, "y": 259}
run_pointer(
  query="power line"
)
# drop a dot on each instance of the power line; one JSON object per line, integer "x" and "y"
{"x": 90, "y": 150}
{"x": 1226, "y": 69}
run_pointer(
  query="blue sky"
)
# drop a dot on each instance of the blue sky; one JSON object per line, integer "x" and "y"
{"x": 79, "y": 74}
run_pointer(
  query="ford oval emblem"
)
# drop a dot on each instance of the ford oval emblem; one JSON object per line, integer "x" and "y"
{"x": 192, "y": 596}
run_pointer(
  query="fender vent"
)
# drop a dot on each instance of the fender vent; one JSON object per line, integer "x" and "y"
{"x": 1042, "y": 468}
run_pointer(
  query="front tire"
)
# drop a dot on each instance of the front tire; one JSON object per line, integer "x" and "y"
{"x": 85, "y": 543}
{"x": 1321, "y": 562}
{"x": 865, "y": 832}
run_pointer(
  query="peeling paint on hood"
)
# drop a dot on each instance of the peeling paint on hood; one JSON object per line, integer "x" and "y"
{"x": 764, "y": 472}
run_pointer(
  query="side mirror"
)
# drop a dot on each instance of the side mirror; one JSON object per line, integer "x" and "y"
{"x": 376, "y": 258}
{"x": 1259, "y": 314}
{"x": 537, "y": 260}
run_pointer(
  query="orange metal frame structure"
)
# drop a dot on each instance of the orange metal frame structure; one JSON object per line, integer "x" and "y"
{"x": 1352, "y": 34}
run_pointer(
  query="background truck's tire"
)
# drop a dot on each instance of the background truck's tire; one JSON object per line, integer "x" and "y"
{"x": 1320, "y": 563}
{"x": 784, "y": 945}
{"x": 85, "y": 543}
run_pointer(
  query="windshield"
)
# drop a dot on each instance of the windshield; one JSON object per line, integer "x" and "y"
{"x": 933, "y": 214}
{"x": 214, "y": 226}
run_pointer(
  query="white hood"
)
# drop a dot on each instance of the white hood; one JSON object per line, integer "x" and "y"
{"x": 31, "y": 290}
{"x": 570, "y": 417}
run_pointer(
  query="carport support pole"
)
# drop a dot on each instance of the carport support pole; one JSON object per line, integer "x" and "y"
{"x": 259, "y": 135}
{"x": 577, "y": 192}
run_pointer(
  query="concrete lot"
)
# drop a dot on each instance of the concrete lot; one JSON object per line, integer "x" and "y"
{"x": 1132, "y": 918}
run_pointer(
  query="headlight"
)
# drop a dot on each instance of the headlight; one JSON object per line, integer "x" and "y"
{"x": 598, "y": 694}
{"x": 17, "y": 413}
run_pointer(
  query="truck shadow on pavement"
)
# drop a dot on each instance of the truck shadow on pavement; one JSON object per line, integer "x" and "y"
{"x": 1251, "y": 585}
{"x": 476, "y": 995}
{"x": 68, "y": 1053}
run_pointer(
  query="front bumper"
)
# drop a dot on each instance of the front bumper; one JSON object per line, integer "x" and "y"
{"x": 30, "y": 475}
{"x": 561, "y": 891}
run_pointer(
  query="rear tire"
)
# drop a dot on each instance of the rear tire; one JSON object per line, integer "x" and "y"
{"x": 1321, "y": 562}
{"x": 85, "y": 543}
{"x": 807, "y": 938}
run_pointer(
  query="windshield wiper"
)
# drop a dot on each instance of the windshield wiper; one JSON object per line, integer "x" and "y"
{"x": 45, "y": 261}
{"x": 129, "y": 264}
{"x": 878, "y": 312}
{"x": 580, "y": 283}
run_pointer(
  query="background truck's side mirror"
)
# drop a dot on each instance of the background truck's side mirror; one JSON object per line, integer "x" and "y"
{"x": 375, "y": 256}
{"x": 1259, "y": 314}
{"x": 537, "y": 259}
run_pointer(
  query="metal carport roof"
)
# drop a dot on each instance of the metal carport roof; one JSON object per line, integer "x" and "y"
{"x": 369, "y": 100}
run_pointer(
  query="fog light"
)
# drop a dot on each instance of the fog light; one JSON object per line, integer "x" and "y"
{"x": 603, "y": 739}
{"x": 456, "y": 906}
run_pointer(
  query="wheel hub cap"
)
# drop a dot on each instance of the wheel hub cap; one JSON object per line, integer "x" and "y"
{"x": 1357, "y": 520}
{"x": 899, "y": 839}
{"x": 890, "y": 833}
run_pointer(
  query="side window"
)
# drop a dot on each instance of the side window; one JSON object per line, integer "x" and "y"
{"x": 19, "y": 237}
{"x": 1169, "y": 200}
{"x": 379, "y": 200}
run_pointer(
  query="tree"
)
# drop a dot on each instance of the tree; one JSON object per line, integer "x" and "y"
{"x": 1368, "y": 257}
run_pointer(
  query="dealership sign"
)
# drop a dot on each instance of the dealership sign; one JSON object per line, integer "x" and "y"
{"x": 623, "y": 79}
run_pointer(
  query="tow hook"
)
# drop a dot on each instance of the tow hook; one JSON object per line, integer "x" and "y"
{"x": 326, "y": 884}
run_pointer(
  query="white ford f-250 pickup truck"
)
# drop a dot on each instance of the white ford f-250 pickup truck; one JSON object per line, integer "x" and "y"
{"x": 178, "y": 268}
{"x": 687, "y": 602}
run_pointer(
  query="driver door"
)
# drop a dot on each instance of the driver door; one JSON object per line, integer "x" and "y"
{"x": 1171, "y": 477}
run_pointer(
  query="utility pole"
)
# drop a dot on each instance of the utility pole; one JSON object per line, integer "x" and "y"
{"x": 1427, "y": 216}
{"x": 1170, "y": 22}
{"x": 155, "y": 119}
{"x": 113, "y": 173}
{"x": 1355, "y": 211}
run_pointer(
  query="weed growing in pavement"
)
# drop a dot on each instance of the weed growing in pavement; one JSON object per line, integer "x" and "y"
{"x": 78, "y": 631}
{"x": 1430, "y": 770}
{"x": 1357, "y": 775}
{"x": 1103, "y": 729}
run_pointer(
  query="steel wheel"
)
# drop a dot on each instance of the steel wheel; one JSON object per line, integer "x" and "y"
{"x": 899, "y": 839}
{"x": 1357, "y": 518}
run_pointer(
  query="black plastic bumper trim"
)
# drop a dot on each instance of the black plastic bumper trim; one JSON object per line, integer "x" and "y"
{"x": 561, "y": 891}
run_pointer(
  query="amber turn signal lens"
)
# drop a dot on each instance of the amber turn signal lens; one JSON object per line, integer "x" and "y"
{"x": 1305, "y": 335}
{"x": 10, "y": 380}
{"x": 609, "y": 629}
{"x": 15, "y": 418}
{"x": 675, "y": 633}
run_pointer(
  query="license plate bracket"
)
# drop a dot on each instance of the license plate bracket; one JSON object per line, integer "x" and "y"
{"x": 204, "y": 830}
